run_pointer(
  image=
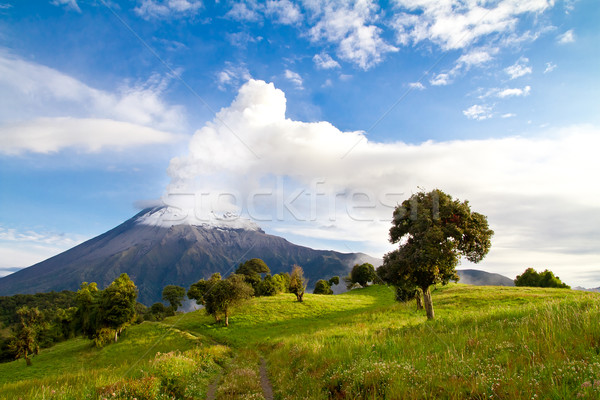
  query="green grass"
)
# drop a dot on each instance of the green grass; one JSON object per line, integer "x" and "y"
{"x": 486, "y": 342}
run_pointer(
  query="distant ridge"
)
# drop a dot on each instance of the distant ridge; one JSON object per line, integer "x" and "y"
{"x": 156, "y": 253}
{"x": 482, "y": 278}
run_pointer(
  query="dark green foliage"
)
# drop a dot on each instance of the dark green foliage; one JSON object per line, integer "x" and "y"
{"x": 297, "y": 282}
{"x": 251, "y": 271}
{"x": 435, "y": 231}
{"x": 56, "y": 323}
{"x": 544, "y": 279}
{"x": 219, "y": 295}
{"x": 42, "y": 301}
{"x": 103, "y": 314}
{"x": 335, "y": 280}
{"x": 174, "y": 295}
{"x": 361, "y": 274}
{"x": 270, "y": 286}
{"x": 25, "y": 343}
{"x": 118, "y": 304}
{"x": 322, "y": 287}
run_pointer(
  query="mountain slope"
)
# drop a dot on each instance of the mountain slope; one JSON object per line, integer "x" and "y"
{"x": 482, "y": 278}
{"x": 155, "y": 255}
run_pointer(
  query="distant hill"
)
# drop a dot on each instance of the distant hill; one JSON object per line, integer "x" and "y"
{"x": 156, "y": 253}
{"x": 597, "y": 290}
{"x": 482, "y": 278}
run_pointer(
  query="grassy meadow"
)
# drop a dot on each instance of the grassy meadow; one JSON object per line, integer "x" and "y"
{"x": 486, "y": 342}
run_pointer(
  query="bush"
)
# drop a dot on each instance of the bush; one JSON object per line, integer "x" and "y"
{"x": 545, "y": 279}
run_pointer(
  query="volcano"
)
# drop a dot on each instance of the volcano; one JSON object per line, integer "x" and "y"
{"x": 159, "y": 247}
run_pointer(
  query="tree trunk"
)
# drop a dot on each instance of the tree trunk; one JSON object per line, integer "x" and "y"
{"x": 299, "y": 296}
{"x": 419, "y": 300}
{"x": 428, "y": 303}
{"x": 27, "y": 360}
{"x": 116, "y": 335}
{"x": 226, "y": 320}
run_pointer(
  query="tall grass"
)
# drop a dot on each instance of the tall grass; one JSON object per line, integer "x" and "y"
{"x": 487, "y": 342}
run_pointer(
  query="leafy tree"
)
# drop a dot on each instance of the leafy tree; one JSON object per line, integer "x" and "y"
{"x": 283, "y": 280}
{"x": 174, "y": 295}
{"x": 297, "y": 282}
{"x": 24, "y": 343}
{"x": 322, "y": 287}
{"x": 251, "y": 271}
{"x": 270, "y": 286}
{"x": 361, "y": 274}
{"x": 219, "y": 295}
{"x": 545, "y": 279}
{"x": 118, "y": 305}
{"x": 199, "y": 289}
{"x": 434, "y": 231}
{"x": 88, "y": 297}
{"x": 395, "y": 271}
{"x": 335, "y": 280}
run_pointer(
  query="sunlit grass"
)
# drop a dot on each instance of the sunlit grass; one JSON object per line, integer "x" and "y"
{"x": 486, "y": 342}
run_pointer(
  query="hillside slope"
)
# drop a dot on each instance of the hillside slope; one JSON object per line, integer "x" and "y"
{"x": 155, "y": 256}
{"x": 487, "y": 342}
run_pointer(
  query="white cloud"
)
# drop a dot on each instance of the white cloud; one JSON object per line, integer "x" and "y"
{"x": 324, "y": 61}
{"x": 514, "y": 92}
{"x": 165, "y": 9}
{"x": 567, "y": 37}
{"x": 351, "y": 28}
{"x": 475, "y": 57}
{"x": 294, "y": 77}
{"x": 508, "y": 115}
{"x": 49, "y": 135}
{"x": 72, "y": 4}
{"x": 440, "y": 80}
{"x": 284, "y": 11}
{"x": 232, "y": 76}
{"x": 518, "y": 69}
{"x": 478, "y": 112}
{"x": 526, "y": 185}
{"x": 245, "y": 11}
{"x": 550, "y": 66}
{"x": 456, "y": 24}
{"x": 416, "y": 85}
{"x": 37, "y": 98}
{"x": 20, "y": 249}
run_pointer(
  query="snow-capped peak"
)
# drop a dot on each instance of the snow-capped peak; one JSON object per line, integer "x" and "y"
{"x": 166, "y": 216}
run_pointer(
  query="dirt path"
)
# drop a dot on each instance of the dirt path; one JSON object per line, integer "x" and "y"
{"x": 212, "y": 388}
{"x": 264, "y": 380}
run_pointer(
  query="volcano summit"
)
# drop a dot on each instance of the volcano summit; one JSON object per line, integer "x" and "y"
{"x": 162, "y": 245}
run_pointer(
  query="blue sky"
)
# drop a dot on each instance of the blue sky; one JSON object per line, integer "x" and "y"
{"x": 492, "y": 101}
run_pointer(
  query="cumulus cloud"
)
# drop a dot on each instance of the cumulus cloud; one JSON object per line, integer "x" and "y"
{"x": 301, "y": 177}
{"x": 550, "y": 66}
{"x": 455, "y": 24}
{"x": 514, "y": 92}
{"x": 245, "y": 11}
{"x": 36, "y": 99}
{"x": 70, "y": 4}
{"x": 294, "y": 77}
{"x": 507, "y": 92}
{"x": 165, "y": 9}
{"x": 440, "y": 80}
{"x": 351, "y": 28}
{"x": 283, "y": 11}
{"x": 416, "y": 85}
{"x": 518, "y": 69}
{"x": 324, "y": 61}
{"x": 232, "y": 76}
{"x": 567, "y": 37}
{"x": 478, "y": 112}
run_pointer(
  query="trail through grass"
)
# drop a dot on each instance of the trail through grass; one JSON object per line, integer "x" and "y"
{"x": 487, "y": 342}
